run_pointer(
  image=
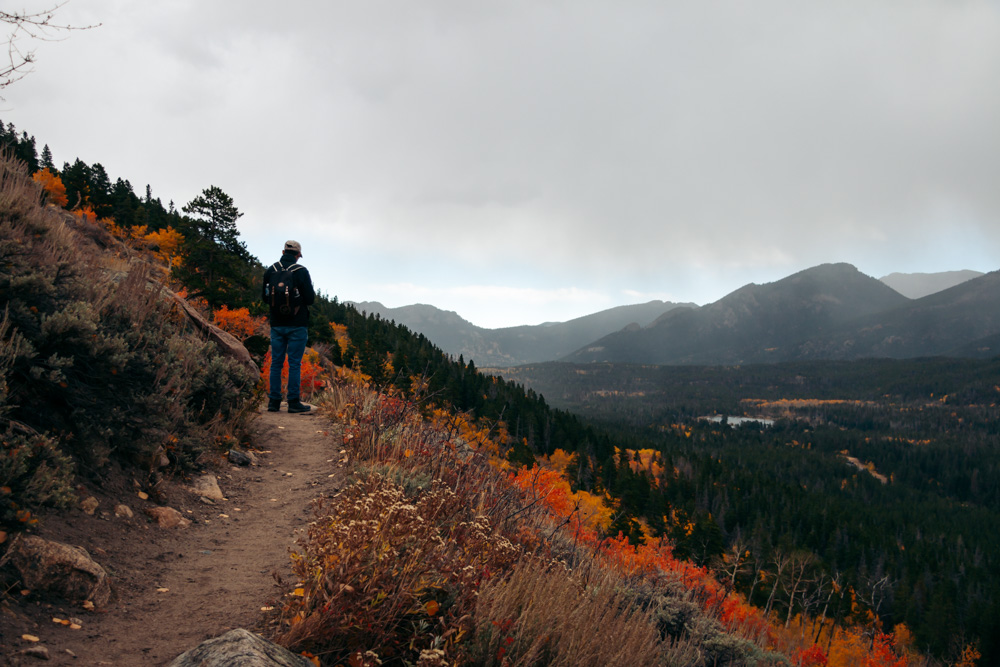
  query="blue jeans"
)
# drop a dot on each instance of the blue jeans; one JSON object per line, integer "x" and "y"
{"x": 290, "y": 341}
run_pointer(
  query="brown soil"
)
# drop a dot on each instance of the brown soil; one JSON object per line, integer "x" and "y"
{"x": 219, "y": 571}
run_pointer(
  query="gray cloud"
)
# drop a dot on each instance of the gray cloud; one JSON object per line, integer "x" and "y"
{"x": 672, "y": 149}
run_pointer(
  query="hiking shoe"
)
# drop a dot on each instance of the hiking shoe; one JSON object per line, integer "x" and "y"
{"x": 295, "y": 405}
{"x": 273, "y": 405}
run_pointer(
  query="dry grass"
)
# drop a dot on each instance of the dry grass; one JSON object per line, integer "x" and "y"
{"x": 543, "y": 615}
{"x": 434, "y": 558}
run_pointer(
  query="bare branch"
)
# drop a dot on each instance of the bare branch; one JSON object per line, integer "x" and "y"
{"x": 38, "y": 25}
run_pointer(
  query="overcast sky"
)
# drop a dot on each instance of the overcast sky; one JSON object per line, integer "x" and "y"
{"x": 520, "y": 162}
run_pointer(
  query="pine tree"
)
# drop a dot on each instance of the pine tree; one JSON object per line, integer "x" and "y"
{"x": 215, "y": 260}
{"x": 46, "y": 162}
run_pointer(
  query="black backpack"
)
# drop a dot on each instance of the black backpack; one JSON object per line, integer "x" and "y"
{"x": 282, "y": 294}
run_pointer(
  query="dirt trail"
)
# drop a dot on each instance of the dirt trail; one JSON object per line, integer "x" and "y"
{"x": 218, "y": 572}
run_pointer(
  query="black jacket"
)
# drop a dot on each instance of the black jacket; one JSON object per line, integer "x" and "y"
{"x": 304, "y": 284}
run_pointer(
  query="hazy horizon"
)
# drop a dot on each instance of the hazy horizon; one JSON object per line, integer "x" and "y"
{"x": 911, "y": 285}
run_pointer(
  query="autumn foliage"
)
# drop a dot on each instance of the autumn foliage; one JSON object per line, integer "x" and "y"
{"x": 238, "y": 322}
{"x": 53, "y": 186}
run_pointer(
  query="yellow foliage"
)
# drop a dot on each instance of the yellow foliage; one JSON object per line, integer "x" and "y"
{"x": 594, "y": 510}
{"x": 340, "y": 335}
{"x": 168, "y": 245}
{"x": 560, "y": 460}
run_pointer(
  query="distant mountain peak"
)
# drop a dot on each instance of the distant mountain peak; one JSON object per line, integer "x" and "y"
{"x": 918, "y": 285}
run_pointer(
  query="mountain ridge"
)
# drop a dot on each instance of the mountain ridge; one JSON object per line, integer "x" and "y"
{"x": 832, "y": 311}
{"x": 511, "y": 346}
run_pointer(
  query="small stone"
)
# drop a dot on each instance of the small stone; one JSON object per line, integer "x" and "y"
{"x": 207, "y": 487}
{"x": 240, "y": 458}
{"x": 90, "y": 505}
{"x": 39, "y": 652}
{"x": 162, "y": 461}
{"x": 123, "y": 512}
{"x": 168, "y": 517}
{"x": 207, "y": 501}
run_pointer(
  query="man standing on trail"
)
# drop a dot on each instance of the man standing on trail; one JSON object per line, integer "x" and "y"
{"x": 288, "y": 290}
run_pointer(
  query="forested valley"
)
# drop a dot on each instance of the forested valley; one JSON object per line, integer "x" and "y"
{"x": 876, "y": 491}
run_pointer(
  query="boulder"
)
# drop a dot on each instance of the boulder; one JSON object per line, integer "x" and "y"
{"x": 61, "y": 569}
{"x": 239, "y": 647}
{"x": 168, "y": 517}
{"x": 207, "y": 486}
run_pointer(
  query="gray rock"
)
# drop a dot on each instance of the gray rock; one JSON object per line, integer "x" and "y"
{"x": 39, "y": 652}
{"x": 239, "y": 648}
{"x": 240, "y": 458}
{"x": 58, "y": 568}
{"x": 207, "y": 486}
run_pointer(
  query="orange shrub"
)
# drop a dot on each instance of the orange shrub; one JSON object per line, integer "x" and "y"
{"x": 53, "y": 185}
{"x": 237, "y": 321}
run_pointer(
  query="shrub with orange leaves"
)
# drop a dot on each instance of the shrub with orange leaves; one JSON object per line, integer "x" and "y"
{"x": 809, "y": 657}
{"x": 86, "y": 214}
{"x": 53, "y": 186}
{"x": 237, "y": 321}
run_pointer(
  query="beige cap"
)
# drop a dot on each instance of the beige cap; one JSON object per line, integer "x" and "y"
{"x": 293, "y": 246}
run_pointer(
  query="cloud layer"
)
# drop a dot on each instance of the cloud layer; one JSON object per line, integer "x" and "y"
{"x": 565, "y": 154}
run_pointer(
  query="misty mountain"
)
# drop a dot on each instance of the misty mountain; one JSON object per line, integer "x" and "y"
{"x": 963, "y": 320}
{"x": 510, "y": 346}
{"x": 919, "y": 285}
{"x": 830, "y": 311}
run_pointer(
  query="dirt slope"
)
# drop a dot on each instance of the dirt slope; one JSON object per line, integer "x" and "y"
{"x": 218, "y": 572}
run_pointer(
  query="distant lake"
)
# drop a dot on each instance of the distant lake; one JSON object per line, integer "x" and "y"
{"x": 736, "y": 421}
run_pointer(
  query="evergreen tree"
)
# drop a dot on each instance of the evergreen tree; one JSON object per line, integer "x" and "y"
{"x": 46, "y": 162}
{"x": 76, "y": 177}
{"x": 216, "y": 261}
{"x": 100, "y": 193}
